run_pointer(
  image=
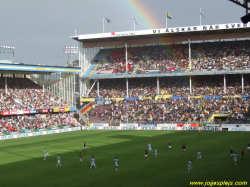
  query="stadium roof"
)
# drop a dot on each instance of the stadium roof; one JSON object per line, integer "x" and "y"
{"x": 36, "y": 69}
{"x": 166, "y": 35}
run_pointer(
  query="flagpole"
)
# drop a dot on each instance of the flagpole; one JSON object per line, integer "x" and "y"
{"x": 166, "y": 20}
{"x": 134, "y": 24}
{"x": 200, "y": 16}
{"x": 103, "y": 24}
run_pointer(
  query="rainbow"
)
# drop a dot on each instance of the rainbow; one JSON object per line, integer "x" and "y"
{"x": 142, "y": 14}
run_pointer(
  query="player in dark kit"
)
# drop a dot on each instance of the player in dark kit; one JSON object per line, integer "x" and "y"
{"x": 169, "y": 146}
{"x": 183, "y": 148}
{"x": 242, "y": 153}
{"x": 231, "y": 152}
{"x": 146, "y": 155}
{"x": 84, "y": 146}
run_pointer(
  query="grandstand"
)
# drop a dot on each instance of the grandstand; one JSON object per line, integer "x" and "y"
{"x": 196, "y": 74}
{"x": 30, "y": 99}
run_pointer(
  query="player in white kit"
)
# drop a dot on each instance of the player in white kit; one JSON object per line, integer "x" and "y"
{"x": 92, "y": 163}
{"x": 149, "y": 148}
{"x": 198, "y": 156}
{"x": 235, "y": 158}
{"x": 58, "y": 161}
{"x": 190, "y": 168}
{"x": 156, "y": 153}
{"x": 80, "y": 158}
{"x": 116, "y": 163}
{"x": 248, "y": 147}
{"x": 44, "y": 154}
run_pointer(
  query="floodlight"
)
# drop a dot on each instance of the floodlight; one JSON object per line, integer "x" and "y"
{"x": 8, "y": 49}
{"x": 245, "y": 19}
{"x": 70, "y": 50}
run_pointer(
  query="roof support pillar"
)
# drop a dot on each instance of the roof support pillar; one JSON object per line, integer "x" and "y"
{"x": 225, "y": 84}
{"x": 126, "y": 48}
{"x": 242, "y": 84}
{"x": 158, "y": 86}
{"x": 190, "y": 85}
{"x": 189, "y": 52}
{"x": 127, "y": 87}
{"x": 98, "y": 88}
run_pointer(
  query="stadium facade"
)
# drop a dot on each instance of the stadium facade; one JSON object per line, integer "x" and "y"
{"x": 95, "y": 51}
{"x": 91, "y": 44}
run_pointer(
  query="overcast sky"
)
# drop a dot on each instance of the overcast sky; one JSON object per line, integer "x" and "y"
{"x": 40, "y": 29}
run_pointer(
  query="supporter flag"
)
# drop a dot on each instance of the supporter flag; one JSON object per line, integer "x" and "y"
{"x": 106, "y": 20}
{"x": 169, "y": 16}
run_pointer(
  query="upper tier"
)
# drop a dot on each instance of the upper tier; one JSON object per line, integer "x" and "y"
{"x": 166, "y": 60}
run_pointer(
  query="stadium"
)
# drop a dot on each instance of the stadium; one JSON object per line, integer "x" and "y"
{"x": 169, "y": 87}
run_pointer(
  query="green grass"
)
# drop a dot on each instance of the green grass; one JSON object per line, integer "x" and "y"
{"x": 22, "y": 164}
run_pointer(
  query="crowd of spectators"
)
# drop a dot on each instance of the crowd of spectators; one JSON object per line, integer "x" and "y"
{"x": 184, "y": 107}
{"x": 180, "y": 110}
{"x": 24, "y": 94}
{"x": 162, "y": 59}
{"x": 207, "y": 56}
{"x": 37, "y": 121}
{"x": 175, "y": 86}
{"x": 117, "y": 88}
{"x": 227, "y": 56}
{"x": 116, "y": 61}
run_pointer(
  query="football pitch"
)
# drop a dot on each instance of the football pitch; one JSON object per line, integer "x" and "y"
{"x": 22, "y": 163}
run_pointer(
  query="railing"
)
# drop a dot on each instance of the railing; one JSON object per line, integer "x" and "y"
{"x": 116, "y": 121}
{"x": 83, "y": 117}
{"x": 222, "y": 72}
{"x": 210, "y": 115}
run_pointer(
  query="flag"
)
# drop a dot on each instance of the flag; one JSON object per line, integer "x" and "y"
{"x": 135, "y": 21}
{"x": 169, "y": 16}
{"x": 106, "y": 20}
{"x": 202, "y": 13}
